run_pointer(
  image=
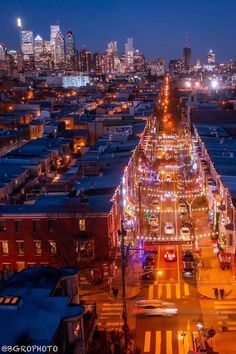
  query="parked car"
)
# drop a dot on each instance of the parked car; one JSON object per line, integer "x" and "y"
{"x": 185, "y": 233}
{"x": 155, "y": 308}
{"x": 168, "y": 178}
{"x": 188, "y": 270}
{"x": 169, "y": 228}
{"x": 183, "y": 208}
{"x": 153, "y": 221}
{"x": 188, "y": 256}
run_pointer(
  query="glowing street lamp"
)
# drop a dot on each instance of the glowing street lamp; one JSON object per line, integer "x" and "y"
{"x": 214, "y": 84}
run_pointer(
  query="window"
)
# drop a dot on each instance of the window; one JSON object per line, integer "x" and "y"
{"x": 38, "y": 247}
{"x": 35, "y": 226}
{"x": 20, "y": 247}
{"x": 51, "y": 225}
{"x": 76, "y": 327}
{"x": 53, "y": 247}
{"x": 82, "y": 224}
{"x": 5, "y": 250}
{"x": 18, "y": 225}
{"x": 3, "y": 226}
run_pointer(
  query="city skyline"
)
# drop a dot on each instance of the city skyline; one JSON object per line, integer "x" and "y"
{"x": 103, "y": 19}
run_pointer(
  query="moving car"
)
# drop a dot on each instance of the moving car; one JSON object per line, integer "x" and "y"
{"x": 183, "y": 208}
{"x": 155, "y": 308}
{"x": 170, "y": 255}
{"x": 168, "y": 178}
{"x": 169, "y": 228}
{"x": 188, "y": 256}
{"x": 185, "y": 233}
{"x": 155, "y": 203}
{"x": 188, "y": 270}
{"x": 153, "y": 221}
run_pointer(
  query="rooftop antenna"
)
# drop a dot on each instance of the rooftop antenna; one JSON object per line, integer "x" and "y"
{"x": 186, "y": 40}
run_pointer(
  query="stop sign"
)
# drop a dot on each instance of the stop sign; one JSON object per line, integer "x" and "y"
{"x": 211, "y": 332}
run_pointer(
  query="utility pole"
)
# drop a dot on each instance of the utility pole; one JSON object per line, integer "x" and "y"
{"x": 123, "y": 269}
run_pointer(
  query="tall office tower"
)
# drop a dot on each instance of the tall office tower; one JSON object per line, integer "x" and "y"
{"x": 84, "y": 61}
{"x": 54, "y": 30}
{"x": 38, "y": 47}
{"x": 2, "y": 52}
{"x": 59, "y": 57}
{"x": 187, "y": 58}
{"x": 27, "y": 43}
{"x": 98, "y": 62}
{"x": 129, "y": 54}
{"x": 176, "y": 66}
{"x": 70, "y": 51}
{"x": 139, "y": 61}
{"x": 211, "y": 57}
{"x": 111, "y": 52}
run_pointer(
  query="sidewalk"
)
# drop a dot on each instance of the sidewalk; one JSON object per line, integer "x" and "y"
{"x": 210, "y": 275}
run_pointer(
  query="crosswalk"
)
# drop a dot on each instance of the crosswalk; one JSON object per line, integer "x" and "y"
{"x": 167, "y": 341}
{"x": 110, "y": 316}
{"x": 168, "y": 291}
{"x": 226, "y": 313}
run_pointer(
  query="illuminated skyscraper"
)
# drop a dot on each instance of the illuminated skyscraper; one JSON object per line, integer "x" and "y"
{"x": 38, "y": 46}
{"x": 129, "y": 54}
{"x": 70, "y": 50}
{"x": 59, "y": 49}
{"x": 84, "y": 61}
{"x": 211, "y": 57}
{"x": 187, "y": 58}
{"x": 27, "y": 43}
{"x": 54, "y": 30}
{"x": 2, "y": 52}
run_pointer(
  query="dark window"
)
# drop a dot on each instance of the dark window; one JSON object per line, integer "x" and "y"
{"x": 18, "y": 226}
{"x": 35, "y": 226}
{"x": 3, "y": 226}
{"x": 51, "y": 225}
{"x": 20, "y": 247}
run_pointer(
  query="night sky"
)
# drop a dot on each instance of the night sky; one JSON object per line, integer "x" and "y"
{"x": 157, "y": 26}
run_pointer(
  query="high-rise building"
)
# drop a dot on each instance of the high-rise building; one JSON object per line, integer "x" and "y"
{"x": 187, "y": 58}
{"x": 54, "y": 30}
{"x": 129, "y": 54}
{"x": 38, "y": 47}
{"x": 59, "y": 57}
{"x": 2, "y": 52}
{"x": 177, "y": 66}
{"x": 157, "y": 67}
{"x": 98, "y": 62}
{"x": 70, "y": 50}
{"x": 139, "y": 61}
{"x": 27, "y": 43}
{"x": 84, "y": 61}
{"x": 211, "y": 57}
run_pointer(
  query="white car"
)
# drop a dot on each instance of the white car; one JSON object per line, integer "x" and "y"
{"x": 183, "y": 208}
{"x": 153, "y": 221}
{"x": 155, "y": 308}
{"x": 185, "y": 233}
{"x": 168, "y": 178}
{"x": 169, "y": 228}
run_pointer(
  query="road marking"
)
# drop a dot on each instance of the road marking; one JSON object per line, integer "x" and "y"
{"x": 158, "y": 342}
{"x": 181, "y": 343}
{"x": 186, "y": 289}
{"x": 150, "y": 292}
{"x": 168, "y": 291}
{"x": 225, "y": 312}
{"x": 224, "y": 307}
{"x": 147, "y": 342}
{"x": 159, "y": 291}
{"x": 169, "y": 342}
{"x": 177, "y": 289}
{"x": 109, "y": 304}
{"x": 224, "y": 302}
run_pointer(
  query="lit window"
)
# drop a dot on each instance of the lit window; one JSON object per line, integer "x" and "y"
{"x": 38, "y": 247}
{"x": 20, "y": 247}
{"x": 82, "y": 224}
{"x": 5, "y": 250}
{"x": 53, "y": 247}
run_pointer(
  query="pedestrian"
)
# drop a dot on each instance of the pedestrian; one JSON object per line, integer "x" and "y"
{"x": 216, "y": 293}
{"x": 115, "y": 292}
{"x": 222, "y": 292}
